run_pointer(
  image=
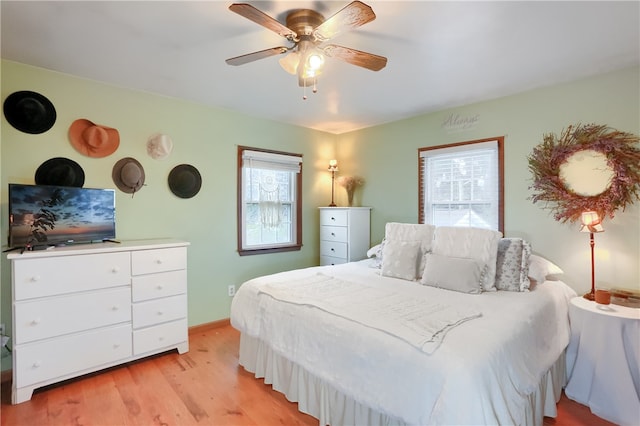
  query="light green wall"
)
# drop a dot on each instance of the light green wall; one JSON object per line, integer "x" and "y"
{"x": 387, "y": 157}
{"x": 204, "y": 137}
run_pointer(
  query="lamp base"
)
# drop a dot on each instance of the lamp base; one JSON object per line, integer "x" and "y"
{"x": 590, "y": 296}
{"x": 332, "y": 205}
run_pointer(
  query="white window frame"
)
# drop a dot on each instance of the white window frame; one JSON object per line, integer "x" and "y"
{"x": 426, "y": 205}
{"x": 255, "y": 158}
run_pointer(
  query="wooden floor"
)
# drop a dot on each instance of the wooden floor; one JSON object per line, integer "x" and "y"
{"x": 204, "y": 386}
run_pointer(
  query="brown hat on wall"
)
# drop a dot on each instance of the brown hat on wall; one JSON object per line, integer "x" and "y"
{"x": 128, "y": 175}
{"x": 93, "y": 140}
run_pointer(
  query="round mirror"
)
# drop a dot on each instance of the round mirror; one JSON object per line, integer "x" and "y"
{"x": 586, "y": 173}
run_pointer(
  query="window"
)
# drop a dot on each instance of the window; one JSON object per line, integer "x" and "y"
{"x": 462, "y": 184}
{"x": 269, "y": 201}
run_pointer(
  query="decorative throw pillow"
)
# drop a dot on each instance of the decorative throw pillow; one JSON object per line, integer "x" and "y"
{"x": 512, "y": 264}
{"x": 376, "y": 253}
{"x": 472, "y": 243}
{"x": 453, "y": 273}
{"x": 400, "y": 259}
{"x": 412, "y": 232}
{"x": 540, "y": 268}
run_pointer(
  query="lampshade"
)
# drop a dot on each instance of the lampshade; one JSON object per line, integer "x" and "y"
{"x": 591, "y": 222}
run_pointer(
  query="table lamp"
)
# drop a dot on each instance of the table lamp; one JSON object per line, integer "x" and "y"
{"x": 333, "y": 168}
{"x": 592, "y": 224}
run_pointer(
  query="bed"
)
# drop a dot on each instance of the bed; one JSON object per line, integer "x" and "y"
{"x": 369, "y": 343}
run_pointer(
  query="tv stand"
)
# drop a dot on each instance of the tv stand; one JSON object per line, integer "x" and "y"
{"x": 111, "y": 241}
{"x": 80, "y": 309}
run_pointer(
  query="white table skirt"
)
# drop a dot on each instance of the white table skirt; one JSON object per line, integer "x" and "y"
{"x": 603, "y": 360}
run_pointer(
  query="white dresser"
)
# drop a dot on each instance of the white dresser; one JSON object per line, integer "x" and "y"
{"x": 344, "y": 234}
{"x": 80, "y": 309}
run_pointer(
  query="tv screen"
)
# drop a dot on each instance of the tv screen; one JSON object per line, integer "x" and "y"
{"x": 43, "y": 215}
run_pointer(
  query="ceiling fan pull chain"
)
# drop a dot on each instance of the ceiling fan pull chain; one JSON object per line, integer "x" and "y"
{"x": 304, "y": 90}
{"x": 315, "y": 85}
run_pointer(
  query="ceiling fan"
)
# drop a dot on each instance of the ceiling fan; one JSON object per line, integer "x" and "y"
{"x": 307, "y": 30}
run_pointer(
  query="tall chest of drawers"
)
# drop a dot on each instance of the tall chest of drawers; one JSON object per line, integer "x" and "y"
{"x": 344, "y": 234}
{"x": 80, "y": 309}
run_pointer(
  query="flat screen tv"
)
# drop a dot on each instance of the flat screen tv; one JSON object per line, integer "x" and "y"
{"x": 43, "y": 215}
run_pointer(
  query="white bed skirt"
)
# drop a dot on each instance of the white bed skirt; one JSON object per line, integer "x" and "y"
{"x": 321, "y": 400}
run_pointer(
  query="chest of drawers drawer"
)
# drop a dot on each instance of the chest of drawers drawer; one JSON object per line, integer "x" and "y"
{"x": 159, "y": 336}
{"x": 333, "y": 217}
{"x": 159, "y": 310}
{"x": 333, "y": 249}
{"x": 48, "y": 359}
{"x": 54, "y": 316}
{"x": 60, "y": 275}
{"x": 333, "y": 233}
{"x": 154, "y": 286}
{"x": 158, "y": 260}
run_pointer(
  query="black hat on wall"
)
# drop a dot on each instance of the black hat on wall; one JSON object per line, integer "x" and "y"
{"x": 61, "y": 172}
{"x": 29, "y": 112}
{"x": 185, "y": 181}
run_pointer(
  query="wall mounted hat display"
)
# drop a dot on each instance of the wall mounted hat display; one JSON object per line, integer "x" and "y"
{"x": 29, "y": 112}
{"x": 93, "y": 140}
{"x": 185, "y": 181}
{"x": 128, "y": 175}
{"x": 61, "y": 172}
{"x": 159, "y": 146}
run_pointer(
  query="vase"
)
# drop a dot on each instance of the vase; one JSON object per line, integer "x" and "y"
{"x": 350, "y": 197}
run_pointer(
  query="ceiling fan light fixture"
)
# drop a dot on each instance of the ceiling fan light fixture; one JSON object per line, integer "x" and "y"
{"x": 290, "y": 62}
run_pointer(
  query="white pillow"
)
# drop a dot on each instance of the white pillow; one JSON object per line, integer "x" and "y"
{"x": 540, "y": 268}
{"x": 472, "y": 243}
{"x": 512, "y": 264}
{"x": 400, "y": 259}
{"x": 412, "y": 232}
{"x": 453, "y": 273}
{"x": 376, "y": 252}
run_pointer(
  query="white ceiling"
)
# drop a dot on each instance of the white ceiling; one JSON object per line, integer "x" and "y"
{"x": 440, "y": 53}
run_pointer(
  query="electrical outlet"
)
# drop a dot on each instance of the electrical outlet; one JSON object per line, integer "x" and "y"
{"x": 232, "y": 290}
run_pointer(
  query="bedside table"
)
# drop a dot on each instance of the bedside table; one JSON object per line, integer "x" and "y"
{"x": 603, "y": 360}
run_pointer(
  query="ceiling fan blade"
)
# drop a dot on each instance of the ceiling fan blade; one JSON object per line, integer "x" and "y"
{"x": 250, "y": 57}
{"x": 351, "y": 16}
{"x": 356, "y": 57}
{"x": 261, "y": 18}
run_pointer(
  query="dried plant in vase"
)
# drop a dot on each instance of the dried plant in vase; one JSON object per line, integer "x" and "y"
{"x": 350, "y": 184}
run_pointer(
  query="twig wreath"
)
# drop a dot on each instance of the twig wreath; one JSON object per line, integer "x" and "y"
{"x": 623, "y": 157}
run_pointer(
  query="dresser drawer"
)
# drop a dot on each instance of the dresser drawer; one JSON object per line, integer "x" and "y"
{"x": 154, "y": 286}
{"x": 159, "y": 336}
{"x": 59, "y": 275}
{"x": 328, "y": 260}
{"x": 333, "y": 249}
{"x": 334, "y": 217}
{"x": 159, "y": 310}
{"x": 49, "y": 359}
{"x": 334, "y": 233}
{"x": 55, "y": 316}
{"x": 158, "y": 260}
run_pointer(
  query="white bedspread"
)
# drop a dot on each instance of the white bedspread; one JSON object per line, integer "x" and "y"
{"x": 416, "y": 320}
{"x": 482, "y": 373}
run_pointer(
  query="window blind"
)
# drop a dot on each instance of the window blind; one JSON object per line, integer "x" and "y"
{"x": 271, "y": 161}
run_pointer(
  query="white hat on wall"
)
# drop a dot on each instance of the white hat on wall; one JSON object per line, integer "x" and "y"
{"x": 159, "y": 146}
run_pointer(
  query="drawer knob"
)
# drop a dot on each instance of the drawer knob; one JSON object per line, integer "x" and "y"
{"x": 37, "y": 364}
{"x": 115, "y": 269}
{"x": 159, "y": 261}
{"x": 333, "y": 234}
{"x": 35, "y": 278}
{"x": 36, "y": 321}
{"x": 333, "y": 218}
{"x": 160, "y": 313}
{"x": 159, "y": 287}
{"x": 115, "y": 307}
{"x": 116, "y": 345}
{"x": 333, "y": 249}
